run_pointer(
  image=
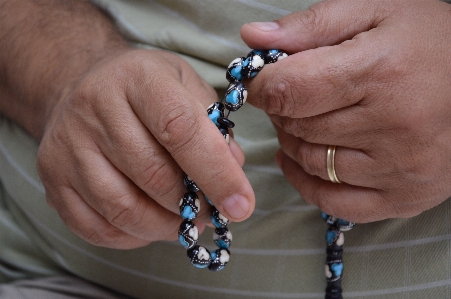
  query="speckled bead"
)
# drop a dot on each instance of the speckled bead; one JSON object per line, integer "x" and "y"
{"x": 190, "y": 185}
{"x": 222, "y": 237}
{"x": 215, "y": 111}
{"x": 199, "y": 256}
{"x": 253, "y": 64}
{"x": 344, "y": 225}
{"x": 188, "y": 234}
{"x": 218, "y": 220}
{"x": 235, "y": 96}
{"x": 334, "y": 270}
{"x": 219, "y": 259}
{"x": 189, "y": 206}
{"x": 273, "y": 56}
{"x": 330, "y": 220}
{"x": 233, "y": 73}
{"x": 334, "y": 236}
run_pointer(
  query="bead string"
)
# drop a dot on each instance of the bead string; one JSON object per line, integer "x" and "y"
{"x": 235, "y": 96}
{"x": 334, "y": 260}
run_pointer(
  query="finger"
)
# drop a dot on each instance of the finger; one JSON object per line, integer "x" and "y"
{"x": 323, "y": 24}
{"x": 348, "y": 127}
{"x": 318, "y": 81}
{"x": 85, "y": 222}
{"x": 119, "y": 201}
{"x": 237, "y": 152}
{"x": 180, "y": 123}
{"x": 353, "y": 203}
{"x": 345, "y": 201}
{"x": 352, "y": 166}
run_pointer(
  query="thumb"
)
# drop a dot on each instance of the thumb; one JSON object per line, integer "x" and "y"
{"x": 323, "y": 24}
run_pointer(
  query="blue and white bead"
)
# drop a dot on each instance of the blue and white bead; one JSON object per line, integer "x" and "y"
{"x": 189, "y": 206}
{"x": 273, "y": 56}
{"x": 218, "y": 220}
{"x": 334, "y": 270}
{"x": 219, "y": 259}
{"x": 199, "y": 256}
{"x": 253, "y": 64}
{"x": 233, "y": 73}
{"x": 222, "y": 237}
{"x": 344, "y": 225}
{"x": 235, "y": 96}
{"x": 334, "y": 236}
{"x": 215, "y": 111}
{"x": 190, "y": 185}
{"x": 188, "y": 234}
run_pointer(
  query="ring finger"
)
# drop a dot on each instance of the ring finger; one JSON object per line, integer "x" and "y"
{"x": 351, "y": 166}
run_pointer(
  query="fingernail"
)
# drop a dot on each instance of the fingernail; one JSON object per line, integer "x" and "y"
{"x": 237, "y": 206}
{"x": 265, "y": 26}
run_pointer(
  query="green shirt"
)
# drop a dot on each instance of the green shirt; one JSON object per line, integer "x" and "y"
{"x": 278, "y": 253}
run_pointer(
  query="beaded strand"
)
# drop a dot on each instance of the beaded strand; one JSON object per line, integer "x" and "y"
{"x": 235, "y": 96}
{"x": 334, "y": 260}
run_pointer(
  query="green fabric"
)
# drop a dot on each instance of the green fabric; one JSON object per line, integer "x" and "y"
{"x": 278, "y": 253}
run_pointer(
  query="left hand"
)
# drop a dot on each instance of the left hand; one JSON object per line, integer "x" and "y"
{"x": 374, "y": 79}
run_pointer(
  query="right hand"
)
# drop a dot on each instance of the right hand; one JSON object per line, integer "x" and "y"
{"x": 115, "y": 147}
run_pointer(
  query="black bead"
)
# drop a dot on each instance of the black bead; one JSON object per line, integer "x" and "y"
{"x": 233, "y": 73}
{"x": 334, "y": 291}
{"x": 253, "y": 64}
{"x": 189, "y": 206}
{"x": 190, "y": 185}
{"x": 273, "y": 56}
{"x": 222, "y": 237}
{"x": 219, "y": 259}
{"x": 225, "y": 122}
{"x": 188, "y": 241}
{"x": 199, "y": 256}
{"x": 235, "y": 96}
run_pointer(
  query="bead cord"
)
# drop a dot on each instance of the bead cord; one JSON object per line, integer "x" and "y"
{"x": 234, "y": 97}
{"x": 334, "y": 257}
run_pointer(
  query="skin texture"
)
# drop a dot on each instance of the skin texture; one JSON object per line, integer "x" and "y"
{"x": 373, "y": 78}
{"x": 117, "y": 126}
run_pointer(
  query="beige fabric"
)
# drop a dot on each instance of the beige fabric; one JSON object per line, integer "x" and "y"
{"x": 61, "y": 287}
{"x": 277, "y": 253}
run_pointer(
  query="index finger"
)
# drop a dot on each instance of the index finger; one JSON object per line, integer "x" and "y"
{"x": 180, "y": 124}
{"x": 317, "y": 81}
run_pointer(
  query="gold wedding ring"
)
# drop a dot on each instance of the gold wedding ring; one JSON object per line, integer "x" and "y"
{"x": 331, "y": 164}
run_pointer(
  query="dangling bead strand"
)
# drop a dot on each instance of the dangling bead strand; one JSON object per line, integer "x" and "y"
{"x": 235, "y": 96}
{"x": 334, "y": 259}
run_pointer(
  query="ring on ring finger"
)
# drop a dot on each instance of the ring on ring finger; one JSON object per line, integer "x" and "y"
{"x": 331, "y": 164}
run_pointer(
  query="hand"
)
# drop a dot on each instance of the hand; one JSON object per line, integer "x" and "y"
{"x": 115, "y": 148}
{"x": 374, "y": 79}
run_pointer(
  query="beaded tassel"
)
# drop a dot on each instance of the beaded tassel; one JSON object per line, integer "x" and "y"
{"x": 334, "y": 259}
{"x": 235, "y": 96}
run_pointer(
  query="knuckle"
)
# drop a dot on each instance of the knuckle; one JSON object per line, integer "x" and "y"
{"x": 312, "y": 22}
{"x": 104, "y": 237}
{"x": 176, "y": 128}
{"x": 125, "y": 213}
{"x": 159, "y": 178}
{"x": 309, "y": 160}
